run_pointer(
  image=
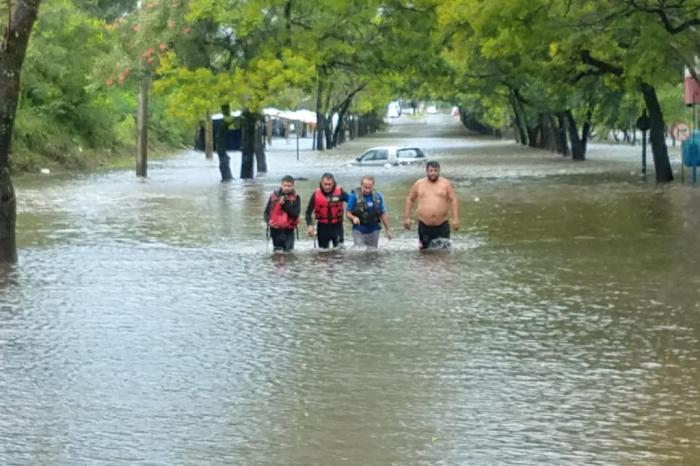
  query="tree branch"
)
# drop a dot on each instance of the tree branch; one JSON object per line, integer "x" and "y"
{"x": 601, "y": 65}
{"x": 661, "y": 13}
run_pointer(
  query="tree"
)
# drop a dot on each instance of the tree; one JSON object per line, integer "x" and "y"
{"x": 12, "y": 53}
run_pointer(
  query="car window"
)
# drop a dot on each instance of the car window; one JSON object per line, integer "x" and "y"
{"x": 419, "y": 154}
{"x": 407, "y": 154}
{"x": 367, "y": 156}
{"x": 381, "y": 155}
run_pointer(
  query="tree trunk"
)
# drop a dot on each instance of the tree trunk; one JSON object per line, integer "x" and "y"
{"x": 662, "y": 165}
{"x": 352, "y": 126}
{"x": 549, "y": 139}
{"x": 320, "y": 131}
{"x": 248, "y": 123}
{"x": 328, "y": 132}
{"x": 260, "y": 158}
{"x": 520, "y": 121}
{"x": 8, "y": 218}
{"x": 586, "y": 131}
{"x": 12, "y": 53}
{"x": 142, "y": 128}
{"x": 562, "y": 144}
{"x": 320, "y": 120}
{"x": 208, "y": 137}
{"x": 578, "y": 148}
{"x": 338, "y": 134}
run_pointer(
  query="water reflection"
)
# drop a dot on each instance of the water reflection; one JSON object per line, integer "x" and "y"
{"x": 147, "y": 323}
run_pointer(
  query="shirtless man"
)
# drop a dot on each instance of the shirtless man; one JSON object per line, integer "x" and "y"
{"x": 434, "y": 194}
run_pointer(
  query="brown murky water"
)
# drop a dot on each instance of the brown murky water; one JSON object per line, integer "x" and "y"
{"x": 147, "y": 324}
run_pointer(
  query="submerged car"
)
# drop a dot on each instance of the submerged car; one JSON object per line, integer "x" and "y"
{"x": 391, "y": 155}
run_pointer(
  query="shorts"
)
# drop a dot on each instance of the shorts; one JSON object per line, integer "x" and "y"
{"x": 366, "y": 239}
{"x": 329, "y": 232}
{"x": 427, "y": 233}
{"x": 282, "y": 239}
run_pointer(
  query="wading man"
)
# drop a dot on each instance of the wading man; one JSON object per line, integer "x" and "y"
{"x": 282, "y": 215}
{"x": 327, "y": 204}
{"x": 366, "y": 211}
{"x": 435, "y": 196}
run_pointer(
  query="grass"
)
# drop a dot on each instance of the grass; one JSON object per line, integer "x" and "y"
{"x": 23, "y": 161}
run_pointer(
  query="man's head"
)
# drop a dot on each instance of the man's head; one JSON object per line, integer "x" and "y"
{"x": 287, "y": 184}
{"x": 226, "y": 109}
{"x": 432, "y": 170}
{"x": 327, "y": 183}
{"x": 367, "y": 184}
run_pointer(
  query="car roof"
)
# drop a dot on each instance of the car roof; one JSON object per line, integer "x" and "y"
{"x": 391, "y": 148}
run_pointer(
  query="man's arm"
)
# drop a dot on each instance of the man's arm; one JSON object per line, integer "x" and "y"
{"x": 293, "y": 208}
{"x": 310, "y": 211}
{"x": 454, "y": 203}
{"x": 387, "y": 227}
{"x": 266, "y": 213}
{"x": 409, "y": 205}
{"x": 351, "y": 205}
{"x": 309, "y": 218}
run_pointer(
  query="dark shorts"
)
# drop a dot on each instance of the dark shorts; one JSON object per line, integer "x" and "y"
{"x": 329, "y": 233}
{"x": 282, "y": 239}
{"x": 427, "y": 233}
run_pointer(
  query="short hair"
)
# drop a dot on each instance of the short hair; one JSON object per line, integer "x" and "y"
{"x": 328, "y": 176}
{"x": 288, "y": 179}
{"x": 433, "y": 164}
{"x": 368, "y": 178}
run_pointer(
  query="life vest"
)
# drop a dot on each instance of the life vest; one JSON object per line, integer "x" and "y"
{"x": 278, "y": 217}
{"x": 361, "y": 209}
{"x": 328, "y": 209}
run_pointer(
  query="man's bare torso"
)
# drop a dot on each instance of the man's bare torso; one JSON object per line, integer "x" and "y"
{"x": 433, "y": 200}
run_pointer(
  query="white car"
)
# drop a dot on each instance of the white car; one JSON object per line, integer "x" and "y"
{"x": 391, "y": 155}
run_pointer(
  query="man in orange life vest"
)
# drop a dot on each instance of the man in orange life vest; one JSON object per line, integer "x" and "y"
{"x": 282, "y": 215}
{"x": 327, "y": 204}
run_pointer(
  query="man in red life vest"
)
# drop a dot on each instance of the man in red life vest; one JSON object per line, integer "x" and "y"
{"x": 282, "y": 215}
{"x": 327, "y": 204}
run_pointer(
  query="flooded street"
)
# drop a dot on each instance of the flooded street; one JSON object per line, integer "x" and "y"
{"x": 148, "y": 323}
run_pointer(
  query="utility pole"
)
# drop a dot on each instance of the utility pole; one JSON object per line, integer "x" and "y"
{"x": 142, "y": 112}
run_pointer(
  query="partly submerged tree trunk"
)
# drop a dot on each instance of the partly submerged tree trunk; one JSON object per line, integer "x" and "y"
{"x": 320, "y": 119}
{"x": 248, "y": 123}
{"x": 208, "y": 137}
{"x": 320, "y": 131}
{"x": 142, "y": 128}
{"x": 12, "y": 53}
{"x": 328, "y": 132}
{"x": 260, "y": 158}
{"x": 662, "y": 164}
{"x": 520, "y": 120}
{"x": 562, "y": 143}
{"x": 578, "y": 147}
{"x": 8, "y": 218}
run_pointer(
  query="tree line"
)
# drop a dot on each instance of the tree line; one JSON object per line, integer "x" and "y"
{"x": 552, "y": 71}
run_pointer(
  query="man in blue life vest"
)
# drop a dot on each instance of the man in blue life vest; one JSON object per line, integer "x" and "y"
{"x": 327, "y": 204}
{"x": 282, "y": 215}
{"x": 367, "y": 212}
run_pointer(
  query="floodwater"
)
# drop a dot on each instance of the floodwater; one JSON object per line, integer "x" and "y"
{"x": 148, "y": 323}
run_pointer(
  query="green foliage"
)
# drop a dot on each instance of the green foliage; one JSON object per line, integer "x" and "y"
{"x": 76, "y": 94}
{"x": 86, "y": 58}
